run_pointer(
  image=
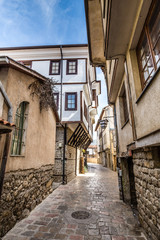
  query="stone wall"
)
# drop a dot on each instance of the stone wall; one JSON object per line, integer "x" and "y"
{"x": 22, "y": 191}
{"x": 147, "y": 184}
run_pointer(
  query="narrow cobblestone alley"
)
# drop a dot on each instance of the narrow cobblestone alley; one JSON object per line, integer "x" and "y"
{"x": 96, "y": 193}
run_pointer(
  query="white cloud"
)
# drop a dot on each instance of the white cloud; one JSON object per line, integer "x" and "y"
{"x": 48, "y": 8}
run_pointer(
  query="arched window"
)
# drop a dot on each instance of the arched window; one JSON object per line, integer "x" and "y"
{"x": 19, "y": 135}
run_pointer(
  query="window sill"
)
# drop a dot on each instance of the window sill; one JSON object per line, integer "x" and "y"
{"x": 54, "y": 74}
{"x": 17, "y": 156}
{"x": 71, "y": 109}
{"x": 71, "y": 73}
{"x": 147, "y": 86}
{"x": 125, "y": 124}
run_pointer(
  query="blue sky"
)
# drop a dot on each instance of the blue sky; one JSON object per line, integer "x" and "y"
{"x": 45, "y": 22}
{"x": 42, "y": 22}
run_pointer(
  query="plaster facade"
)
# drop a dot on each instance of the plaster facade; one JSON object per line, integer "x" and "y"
{"x": 28, "y": 175}
{"x": 134, "y": 94}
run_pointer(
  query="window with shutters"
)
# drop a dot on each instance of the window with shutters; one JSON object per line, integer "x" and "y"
{"x": 148, "y": 49}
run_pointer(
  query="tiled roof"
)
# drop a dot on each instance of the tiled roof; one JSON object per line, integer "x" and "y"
{"x": 4, "y": 122}
{"x": 5, "y": 126}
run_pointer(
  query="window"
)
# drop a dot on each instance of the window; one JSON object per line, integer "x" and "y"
{"x": 56, "y": 99}
{"x": 125, "y": 109}
{"x": 54, "y": 67}
{"x": 85, "y": 111}
{"x": 94, "y": 97}
{"x": 71, "y": 101}
{"x": 18, "y": 141}
{"x": 124, "y": 105}
{"x": 72, "y": 66}
{"x": 148, "y": 49}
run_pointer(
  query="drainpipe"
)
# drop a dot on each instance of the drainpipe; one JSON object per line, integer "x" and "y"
{"x": 64, "y": 151}
{"x": 61, "y": 81}
{"x": 4, "y": 94}
{"x": 65, "y": 126}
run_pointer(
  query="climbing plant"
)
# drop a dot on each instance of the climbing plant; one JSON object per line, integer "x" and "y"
{"x": 45, "y": 91}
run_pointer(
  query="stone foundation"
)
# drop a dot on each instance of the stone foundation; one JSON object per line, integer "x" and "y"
{"x": 22, "y": 191}
{"x": 147, "y": 184}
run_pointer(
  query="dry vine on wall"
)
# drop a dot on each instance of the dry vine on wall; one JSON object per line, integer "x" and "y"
{"x": 45, "y": 91}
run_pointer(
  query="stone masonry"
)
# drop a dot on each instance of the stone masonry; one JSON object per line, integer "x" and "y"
{"x": 147, "y": 184}
{"x": 22, "y": 191}
{"x": 95, "y": 193}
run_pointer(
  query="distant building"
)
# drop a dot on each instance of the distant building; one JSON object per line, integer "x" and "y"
{"x": 92, "y": 156}
{"x": 106, "y": 140}
{"x": 27, "y": 155}
{"x": 76, "y": 96}
{"x": 124, "y": 41}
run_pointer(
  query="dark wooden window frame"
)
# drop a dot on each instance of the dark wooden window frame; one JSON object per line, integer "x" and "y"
{"x": 57, "y": 103}
{"x": 146, "y": 32}
{"x": 50, "y": 68}
{"x": 67, "y": 66}
{"x": 66, "y": 101}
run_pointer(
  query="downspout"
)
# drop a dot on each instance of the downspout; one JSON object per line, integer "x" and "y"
{"x": 4, "y": 94}
{"x": 61, "y": 81}
{"x": 64, "y": 127}
{"x": 64, "y": 152}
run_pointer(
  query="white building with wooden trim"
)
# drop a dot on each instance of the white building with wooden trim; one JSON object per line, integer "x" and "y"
{"x": 76, "y": 93}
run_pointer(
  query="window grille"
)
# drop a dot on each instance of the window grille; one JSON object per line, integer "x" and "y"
{"x": 18, "y": 136}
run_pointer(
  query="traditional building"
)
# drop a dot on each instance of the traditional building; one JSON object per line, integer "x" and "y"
{"x": 106, "y": 140}
{"x": 76, "y": 96}
{"x": 27, "y": 155}
{"x": 124, "y": 40}
{"x": 92, "y": 155}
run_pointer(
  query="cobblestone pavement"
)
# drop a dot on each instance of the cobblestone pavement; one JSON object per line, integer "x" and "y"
{"x": 96, "y": 193}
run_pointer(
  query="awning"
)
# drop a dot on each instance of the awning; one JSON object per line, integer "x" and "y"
{"x": 5, "y": 126}
{"x": 79, "y": 138}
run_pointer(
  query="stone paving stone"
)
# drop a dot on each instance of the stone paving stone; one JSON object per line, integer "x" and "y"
{"x": 111, "y": 219}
